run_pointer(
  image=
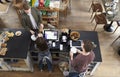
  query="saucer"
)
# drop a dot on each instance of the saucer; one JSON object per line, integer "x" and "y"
{"x": 18, "y": 33}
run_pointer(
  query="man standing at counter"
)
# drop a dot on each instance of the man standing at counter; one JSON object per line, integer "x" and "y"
{"x": 80, "y": 62}
{"x": 31, "y": 19}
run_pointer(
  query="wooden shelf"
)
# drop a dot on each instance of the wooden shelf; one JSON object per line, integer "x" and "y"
{"x": 48, "y": 9}
{"x": 49, "y": 17}
{"x": 54, "y": 19}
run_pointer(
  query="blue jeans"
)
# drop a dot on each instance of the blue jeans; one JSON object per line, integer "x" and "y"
{"x": 49, "y": 65}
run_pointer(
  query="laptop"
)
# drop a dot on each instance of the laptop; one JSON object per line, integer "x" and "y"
{"x": 76, "y": 44}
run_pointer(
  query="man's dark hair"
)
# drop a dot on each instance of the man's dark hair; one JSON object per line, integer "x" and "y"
{"x": 88, "y": 45}
{"x": 26, "y": 6}
{"x": 41, "y": 44}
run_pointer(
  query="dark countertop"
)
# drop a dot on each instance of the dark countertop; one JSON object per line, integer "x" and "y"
{"x": 93, "y": 36}
{"x": 18, "y": 45}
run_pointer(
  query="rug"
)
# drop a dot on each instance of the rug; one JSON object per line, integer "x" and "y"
{"x": 4, "y": 8}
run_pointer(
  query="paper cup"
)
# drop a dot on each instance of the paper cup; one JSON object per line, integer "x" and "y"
{"x": 33, "y": 37}
{"x": 73, "y": 50}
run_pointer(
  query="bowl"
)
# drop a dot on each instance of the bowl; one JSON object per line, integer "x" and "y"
{"x": 74, "y": 35}
{"x": 63, "y": 66}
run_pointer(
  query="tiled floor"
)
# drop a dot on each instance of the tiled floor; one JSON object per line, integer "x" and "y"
{"x": 79, "y": 18}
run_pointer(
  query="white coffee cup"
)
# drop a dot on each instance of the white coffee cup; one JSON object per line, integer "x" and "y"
{"x": 64, "y": 38}
{"x": 61, "y": 47}
{"x": 53, "y": 44}
{"x": 33, "y": 37}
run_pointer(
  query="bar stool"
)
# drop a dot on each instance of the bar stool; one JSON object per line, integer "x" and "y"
{"x": 99, "y": 19}
{"x": 118, "y": 25}
{"x": 95, "y": 6}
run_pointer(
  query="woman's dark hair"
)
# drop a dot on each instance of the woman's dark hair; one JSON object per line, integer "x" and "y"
{"x": 41, "y": 44}
{"x": 25, "y": 6}
{"x": 88, "y": 45}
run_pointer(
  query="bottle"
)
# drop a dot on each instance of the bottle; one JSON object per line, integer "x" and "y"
{"x": 61, "y": 47}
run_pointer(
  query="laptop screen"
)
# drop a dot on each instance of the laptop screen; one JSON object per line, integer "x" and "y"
{"x": 75, "y": 43}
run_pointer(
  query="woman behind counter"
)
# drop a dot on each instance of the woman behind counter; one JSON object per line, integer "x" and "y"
{"x": 80, "y": 63}
{"x": 44, "y": 55}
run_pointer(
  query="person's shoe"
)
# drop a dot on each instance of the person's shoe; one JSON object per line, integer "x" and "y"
{"x": 7, "y": 1}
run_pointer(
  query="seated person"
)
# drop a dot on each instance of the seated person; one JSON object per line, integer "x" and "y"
{"x": 44, "y": 55}
{"x": 80, "y": 62}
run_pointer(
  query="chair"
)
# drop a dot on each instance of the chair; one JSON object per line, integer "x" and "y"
{"x": 95, "y": 6}
{"x": 99, "y": 19}
{"x": 118, "y": 25}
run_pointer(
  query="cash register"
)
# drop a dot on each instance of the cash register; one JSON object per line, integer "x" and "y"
{"x": 52, "y": 36}
{"x": 54, "y": 40}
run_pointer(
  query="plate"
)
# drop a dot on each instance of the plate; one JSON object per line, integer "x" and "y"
{"x": 63, "y": 66}
{"x": 18, "y": 33}
{"x": 110, "y": 12}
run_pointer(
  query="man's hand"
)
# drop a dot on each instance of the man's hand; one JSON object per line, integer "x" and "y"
{"x": 32, "y": 32}
{"x": 41, "y": 27}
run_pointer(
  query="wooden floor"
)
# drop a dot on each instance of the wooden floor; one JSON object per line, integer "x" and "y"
{"x": 78, "y": 18}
